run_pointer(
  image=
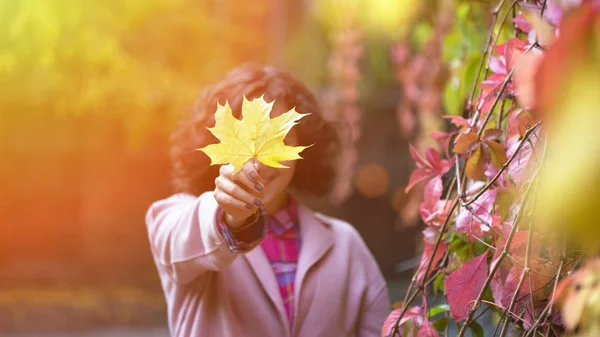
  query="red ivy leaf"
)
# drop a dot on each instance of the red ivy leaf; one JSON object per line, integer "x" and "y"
{"x": 433, "y": 191}
{"x": 388, "y": 325}
{"x": 525, "y": 121}
{"x": 476, "y": 163}
{"x": 433, "y": 157}
{"x": 427, "y": 255}
{"x": 430, "y": 167}
{"x": 426, "y": 329}
{"x": 416, "y": 177}
{"x": 443, "y": 140}
{"x": 458, "y": 121}
{"x": 498, "y": 153}
{"x": 518, "y": 247}
{"x": 417, "y": 157}
{"x": 513, "y": 49}
{"x": 492, "y": 134}
{"x": 465, "y": 141}
{"x": 497, "y": 65}
{"x": 464, "y": 285}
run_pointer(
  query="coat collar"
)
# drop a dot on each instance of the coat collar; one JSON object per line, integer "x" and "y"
{"x": 317, "y": 239}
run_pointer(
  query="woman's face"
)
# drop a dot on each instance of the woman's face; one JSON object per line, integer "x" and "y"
{"x": 277, "y": 180}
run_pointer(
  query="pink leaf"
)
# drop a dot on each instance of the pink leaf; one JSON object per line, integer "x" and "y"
{"x": 458, "y": 121}
{"x": 434, "y": 215}
{"x": 494, "y": 81}
{"x": 464, "y": 285}
{"x": 504, "y": 294}
{"x": 426, "y": 329}
{"x": 555, "y": 11}
{"x": 497, "y": 66}
{"x": 433, "y": 157}
{"x": 416, "y": 177}
{"x": 430, "y": 235}
{"x": 522, "y": 23}
{"x": 427, "y": 254}
{"x": 417, "y": 157}
{"x": 443, "y": 140}
{"x": 410, "y": 314}
{"x": 519, "y": 166}
{"x": 526, "y": 68}
{"x": 514, "y": 48}
{"x": 467, "y": 223}
{"x": 433, "y": 191}
{"x": 499, "y": 49}
{"x": 513, "y": 122}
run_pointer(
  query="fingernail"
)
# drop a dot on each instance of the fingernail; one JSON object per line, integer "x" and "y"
{"x": 257, "y": 202}
{"x": 259, "y": 187}
{"x": 248, "y": 206}
{"x": 253, "y": 175}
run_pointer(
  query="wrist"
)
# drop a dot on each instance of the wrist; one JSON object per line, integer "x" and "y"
{"x": 233, "y": 222}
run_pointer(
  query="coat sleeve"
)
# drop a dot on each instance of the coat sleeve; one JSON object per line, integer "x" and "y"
{"x": 376, "y": 309}
{"x": 184, "y": 238}
{"x": 376, "y": 305}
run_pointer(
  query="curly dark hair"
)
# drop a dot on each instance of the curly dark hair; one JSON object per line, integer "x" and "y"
{"x": 314, "y": 174}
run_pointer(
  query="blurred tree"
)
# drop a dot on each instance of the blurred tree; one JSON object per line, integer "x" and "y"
{"x": 140, "y": 61}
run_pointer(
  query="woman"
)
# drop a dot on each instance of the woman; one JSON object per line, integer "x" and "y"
{"x": 238, "y": 255}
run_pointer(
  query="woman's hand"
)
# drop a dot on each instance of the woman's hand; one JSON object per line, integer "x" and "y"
{"x": 239, "y": 195}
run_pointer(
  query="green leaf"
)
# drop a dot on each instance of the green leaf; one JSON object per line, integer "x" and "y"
{"x": 469, "y": 73}
{"x": 438, "y": 284}
{"x": 441, "y": 324}
{"x": 452, "y": 46}
{"x": 438, "y": 309}
{"x": 423, "y": 32}
{"x": 455, "y": 95}
{"x": 479, "y": 248}
{"x": 452, "y": 99}
{"x": 476, "y": 329}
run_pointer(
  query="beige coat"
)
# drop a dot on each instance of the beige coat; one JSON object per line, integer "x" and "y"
{"x": 211, "y": 292}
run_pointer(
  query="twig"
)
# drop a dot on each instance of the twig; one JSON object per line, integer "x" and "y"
{"x": 524, "y": 274}
{"x": 486, "y": 51}
{"x": 495, "y": 103}
{"x": 499, "y": 122}
{"x": 538, "y": 321}
{"x": 408, "y": 301}
{"x": 477, "y": 303}
{"x": 508, "y": 312}
{"x": 459, "y": 183}
{"x": 499, "y": 94}
{"x": 558, "y": 272}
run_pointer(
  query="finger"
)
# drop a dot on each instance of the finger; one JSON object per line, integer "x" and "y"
{"x": 250, "y": 170}
{"x": 250, "y": 178}
{"x": 237, "y": 191}
{"x": 256, "y": 165}
{"x": 251, "y": 186}
{"x": 226, "y": 171}
{"x": 228, "y": 202}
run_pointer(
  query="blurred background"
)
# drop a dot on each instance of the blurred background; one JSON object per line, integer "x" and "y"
{"x": 90, "y": 91}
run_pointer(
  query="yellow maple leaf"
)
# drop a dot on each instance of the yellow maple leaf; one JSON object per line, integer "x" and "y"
{"x": 256, "y": 135}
